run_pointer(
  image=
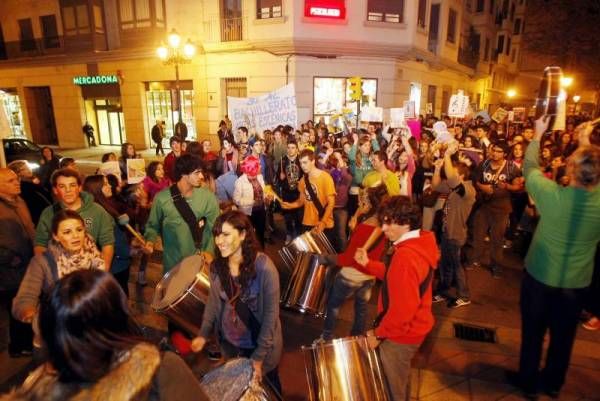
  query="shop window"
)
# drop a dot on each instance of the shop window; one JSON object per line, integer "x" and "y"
{"x": 480, "y": 6}
{"x": 422, "y": 13}
{"x": 161, "y": 103}
{"x": 332, "y": 95}
{"x": 268, "y": 9}
{"x": 451, "y": 37}
{"x": 386, "y": 10}
{"x": 134, "y": 14}
{"x": 50, "y": 31}
{"x": 26, "y": 35}
{"x": 75, "y": 20}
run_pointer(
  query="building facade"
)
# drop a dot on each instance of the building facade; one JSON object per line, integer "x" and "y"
{"x": 65, "y": 62}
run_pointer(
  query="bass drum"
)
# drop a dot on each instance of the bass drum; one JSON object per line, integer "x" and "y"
{"x": 183, "y": 292}
{"x": 344, "y": 369}
{"x": 232, "y": 381}
{"x": 306, "y": 242}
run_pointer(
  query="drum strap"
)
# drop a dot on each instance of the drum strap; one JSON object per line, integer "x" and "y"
{"x": 385, "y": 296}
{"x": 244, "y": 313}
{"x": 188, "y": 215}
{"x": 313, "y": 197}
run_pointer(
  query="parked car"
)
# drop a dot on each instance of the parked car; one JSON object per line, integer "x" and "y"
{"x": 23, "y": 149}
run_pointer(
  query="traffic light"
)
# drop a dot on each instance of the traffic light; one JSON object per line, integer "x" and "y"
{"x": 355, "y": 88}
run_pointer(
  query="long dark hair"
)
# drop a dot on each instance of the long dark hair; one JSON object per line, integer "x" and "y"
{"x": 220, "y": 266}
{"x": 124, "y": 155}
{"x": 86, "y": 324}
{"x": 376, "y": 196}
{"x": 151, "y": 170}
{"x": 93, "y": 184}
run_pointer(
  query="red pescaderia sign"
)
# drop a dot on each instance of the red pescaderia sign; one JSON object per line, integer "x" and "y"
{"x": 331, "y": 9}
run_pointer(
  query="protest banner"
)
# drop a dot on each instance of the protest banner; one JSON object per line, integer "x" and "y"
{"x": 264, "y": 112}
{"x": 458, "y": 105}
{"x": 371, "y": 114}
{"x": 409, "y": 109}
{"x": 113, "y": 168}
{"x": 136, "y": 170}
{"x": 520, "y": 114}
{"x": 397, "y": 118}
{"x": 499, "y": 115}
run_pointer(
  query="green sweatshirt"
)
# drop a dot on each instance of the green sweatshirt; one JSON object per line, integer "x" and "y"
{"x": 166, "y": 221}
{"x": 98, "y": 223}
{"x": 562, "y": 251}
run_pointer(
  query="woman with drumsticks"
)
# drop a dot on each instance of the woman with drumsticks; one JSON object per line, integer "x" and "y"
{"x": 243, "y": 305}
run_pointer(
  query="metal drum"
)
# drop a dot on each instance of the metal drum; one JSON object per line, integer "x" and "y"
{"x": 344, "y": 369}
{"x": 309, "y": 285}
{"x": 547, "y": 99}
{"x": 232, "y": 381}
{"x": 183, "y": 292}
{"x": 307, "y": 242}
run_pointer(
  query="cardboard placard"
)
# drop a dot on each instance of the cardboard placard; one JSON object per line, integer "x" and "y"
{"x": 409, "y": 109}
{"x": 511, "y": 116}
{"x": 429, "y": 108}
{"x": 136, "y": 170}
{"x": 520, "y": 114}
{"x": 371, "y": 114}
{"x": 113, "y": 168}
{"x": 499, "y": 115}
{"x": 458, "y": 105}
{"x": 397, "y": 117}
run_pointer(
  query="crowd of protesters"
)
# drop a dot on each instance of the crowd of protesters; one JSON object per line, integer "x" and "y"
{"x": 467, "y": 178}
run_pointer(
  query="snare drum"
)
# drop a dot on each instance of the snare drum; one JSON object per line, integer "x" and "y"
{"x": 233, "y": 382}
{"x": 183, "y": 292}
{"x": 309, "y": 285}
{"x": 344, "y": 369}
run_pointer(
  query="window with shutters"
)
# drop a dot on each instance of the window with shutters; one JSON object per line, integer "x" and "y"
{"x": 451, "y": 37}
{"x": 386, "y": 10}
{"x": 49, "y": 32}
{"x": 268, "y": 9}
{"x": 27, "y": 41}
{"x": 139, "y": 14}
{"x": 75, "y": 19}
{"x": 517, "y": 29}
{"x": 480, "y": 6}
{"x": 422, "y": 14}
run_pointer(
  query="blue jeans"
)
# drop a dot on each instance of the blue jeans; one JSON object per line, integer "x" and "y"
{"x": 340, "y": 224}
{"x": 452, "y": 270}
{"x": 341, "y": 290}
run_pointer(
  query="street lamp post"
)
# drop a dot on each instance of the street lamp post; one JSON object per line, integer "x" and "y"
{"x": 175, "y": 54}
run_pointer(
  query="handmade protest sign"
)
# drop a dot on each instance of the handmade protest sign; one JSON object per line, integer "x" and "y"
{"x": 136, "y": 170}
{"x": 520, "y": 114}
{"x": 409, "y": 109}
{"x": 113, "y": 168}
{"x": 371, "y": 113}
{"x": 266, "y": 111}
{"x": 458, "y": 105}
{"x": 397, "y": 117}
{"x": 499, "y": 115}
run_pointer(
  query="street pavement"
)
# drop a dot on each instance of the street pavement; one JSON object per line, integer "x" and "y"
{"x": 446, "y": 368}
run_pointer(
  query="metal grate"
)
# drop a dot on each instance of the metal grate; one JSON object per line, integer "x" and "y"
{"x": 475, "y": 333}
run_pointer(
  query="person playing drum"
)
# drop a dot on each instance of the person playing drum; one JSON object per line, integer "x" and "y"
{"x": 243, "y": 303}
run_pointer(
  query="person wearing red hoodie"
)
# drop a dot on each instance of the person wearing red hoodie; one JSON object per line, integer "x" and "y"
{"x": 404, "y": 307}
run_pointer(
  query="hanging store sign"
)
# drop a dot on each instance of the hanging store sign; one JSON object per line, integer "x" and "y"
{"x": 333, "y": 9}
{"x": 96, "y": 80}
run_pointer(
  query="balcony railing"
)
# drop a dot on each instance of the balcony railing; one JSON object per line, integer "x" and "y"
{"x": 217, "y": 29}
{"x": 468, "y": 57}
{"x": 231, "y": 29}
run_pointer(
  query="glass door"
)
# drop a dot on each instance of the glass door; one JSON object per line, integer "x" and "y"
{"x": 111, "y": 125}
{"x": 114, "y": 120}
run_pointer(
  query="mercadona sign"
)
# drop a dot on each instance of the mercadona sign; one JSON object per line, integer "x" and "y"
{"x": 96, "y": 80}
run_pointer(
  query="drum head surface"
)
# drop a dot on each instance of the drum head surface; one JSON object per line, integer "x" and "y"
{"x": 177, "y": 281}
{"x": 229, "y": 381}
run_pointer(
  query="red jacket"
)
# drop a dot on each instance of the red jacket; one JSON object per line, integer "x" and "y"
{"x": 358, "y": 238}
{"x": 409, "y": 317}
{"x": 169, "y": 166}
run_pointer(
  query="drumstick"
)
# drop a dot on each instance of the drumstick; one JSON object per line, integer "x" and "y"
{"x": 124, "y": 221}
